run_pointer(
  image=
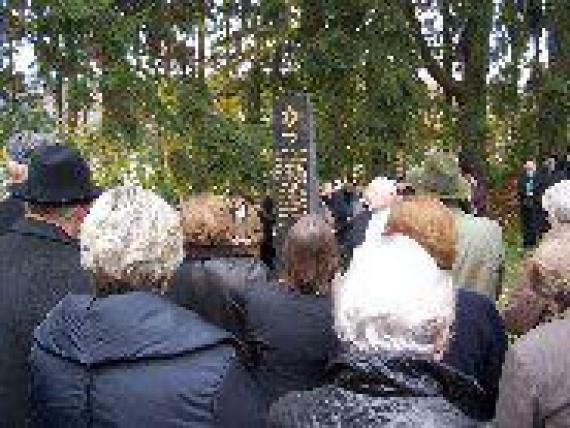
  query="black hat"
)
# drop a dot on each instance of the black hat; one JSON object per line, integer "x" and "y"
{"x": 57, "y": 175}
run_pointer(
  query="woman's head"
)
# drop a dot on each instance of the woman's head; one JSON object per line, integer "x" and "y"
{"x": 427, "y": 221}
{"x": 394, "y": 299}
{"x": 206, "y": 220}
{"x": 131, "y": 240}
{"x": 209, "y": 227}
{"x": 547, "y": 272}
{"x": 310, "y": 255}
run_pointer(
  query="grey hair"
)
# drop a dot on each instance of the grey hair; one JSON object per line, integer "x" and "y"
{"x": 131, "y": 235}
{"x": 394, "y": 298}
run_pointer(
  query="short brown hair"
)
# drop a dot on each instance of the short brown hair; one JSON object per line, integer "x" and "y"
{"x": 310, "y": 255}
{"x": 427, "y": 221}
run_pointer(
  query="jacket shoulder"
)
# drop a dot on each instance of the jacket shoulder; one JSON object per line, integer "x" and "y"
{"x": 535, "y": 347}
{"x": 334, "y": 406}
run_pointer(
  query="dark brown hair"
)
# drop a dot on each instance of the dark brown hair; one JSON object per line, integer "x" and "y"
{"x": 310, "y": 255}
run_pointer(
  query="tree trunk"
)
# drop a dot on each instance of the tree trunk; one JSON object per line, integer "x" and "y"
{"x": 473, "y": 107}
{"x": 202, "y": 42}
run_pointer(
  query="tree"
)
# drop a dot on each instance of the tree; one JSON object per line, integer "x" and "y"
{"x": 469, "y": 95}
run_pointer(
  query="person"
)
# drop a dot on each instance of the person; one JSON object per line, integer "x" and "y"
{"x": 19, "y": 148}
{"x": 473, "y": 173}
{"x": 480, "y": 253}
{"x": 344, "y": 204}
{"x": 535, "y": 387}
{"x": 39, "y": 264}
{"x": 529, "y": 202}
{"x": 289, "y": 324}
{"x": 217, "y": 270}
{"x": 527, "y": 308}
{"x": 267, "y": 251}
{"x": 126, "y": 356}
{"x": 379, "y": 195}
{"x": 390, "y": 370}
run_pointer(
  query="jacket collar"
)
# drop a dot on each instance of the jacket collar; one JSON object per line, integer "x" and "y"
{"x": 125, "y": 327}
{"x": 42, "y": 230}
{"x": 403, "y": 375}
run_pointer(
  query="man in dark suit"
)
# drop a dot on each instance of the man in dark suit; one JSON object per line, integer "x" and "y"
{"x": 39, "y": 264}
{"x": 529, "y": 201}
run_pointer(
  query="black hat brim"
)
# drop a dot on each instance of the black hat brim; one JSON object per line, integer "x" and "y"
{"x": 22, "y": 192}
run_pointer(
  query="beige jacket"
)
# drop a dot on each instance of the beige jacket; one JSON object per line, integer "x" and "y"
{"x": 535, "y": 384}
{"x": 480, "y": 255}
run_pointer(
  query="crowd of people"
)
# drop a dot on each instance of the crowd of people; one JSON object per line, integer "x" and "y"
{"x": 120, "y": 310}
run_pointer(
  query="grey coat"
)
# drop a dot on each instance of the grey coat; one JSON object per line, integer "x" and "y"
{"x": 535, "y": 385}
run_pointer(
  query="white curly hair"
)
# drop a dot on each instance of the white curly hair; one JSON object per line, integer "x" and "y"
{"x": 394, "y": 298}
{"x": 556, "y": 202}
{"x": 133, "y": 236}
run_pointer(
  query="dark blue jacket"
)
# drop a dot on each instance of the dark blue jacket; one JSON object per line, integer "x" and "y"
{"x": 295, "y": 336}
{"x": 214, "y": 288}
{"x": 478, "y": 344}
{"x": 136, "y": 360}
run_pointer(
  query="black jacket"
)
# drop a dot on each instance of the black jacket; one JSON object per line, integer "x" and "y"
{"x": 358, "y": 230}
{"x": 478, "y": 345}
{"x": 11, "y": 210}
{"x": 215, "y": 288}
{"x": 342, "y": 205}
{"x": 293, "y": 336}
{"x": 373, "y": 391}
{"x": 137, "y": 360}
{"x": 39, "y": 265}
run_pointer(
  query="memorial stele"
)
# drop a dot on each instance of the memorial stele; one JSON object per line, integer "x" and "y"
{"x": 295, "y": 169}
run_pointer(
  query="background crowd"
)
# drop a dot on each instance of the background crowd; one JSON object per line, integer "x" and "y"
{"x": 118, "y": 309}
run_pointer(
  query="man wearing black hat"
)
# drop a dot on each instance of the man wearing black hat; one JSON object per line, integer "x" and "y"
{"x": 39, "y": 264}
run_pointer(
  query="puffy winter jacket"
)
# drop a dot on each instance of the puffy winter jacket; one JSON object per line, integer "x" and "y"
{"x": 136, "y": 360}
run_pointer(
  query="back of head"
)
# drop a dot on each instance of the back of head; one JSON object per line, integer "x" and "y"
{"x": 380, "y": 193}
{"x": 394, "y": 299}
{"x": 548, "y": 273}
{"x": 310, "y": 255}
{"x": 440, "y": 176}
{"x": 131, "y": 240}
{"x": 206, "y": 221}
{"x": 427, "y": 221}
{"x": 556, "y": 202}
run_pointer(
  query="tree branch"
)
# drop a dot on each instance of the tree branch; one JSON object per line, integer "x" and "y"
{"x": 444, "y": 78}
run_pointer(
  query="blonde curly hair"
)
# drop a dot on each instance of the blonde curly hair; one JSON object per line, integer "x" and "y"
{"x": 427, "y": 221}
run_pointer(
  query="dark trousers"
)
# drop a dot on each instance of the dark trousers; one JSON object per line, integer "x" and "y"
{"x": 530, "y": 224}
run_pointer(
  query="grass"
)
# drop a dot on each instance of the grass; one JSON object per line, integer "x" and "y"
{"x": 514, "y": 255}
